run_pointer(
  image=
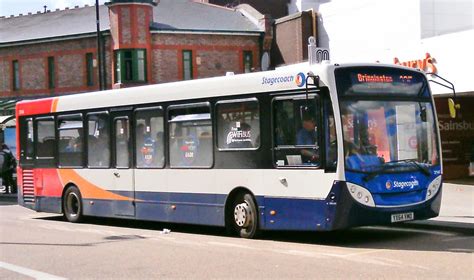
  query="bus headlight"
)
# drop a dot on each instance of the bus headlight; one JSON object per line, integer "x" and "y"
{"x": 433, "y": 188}
{"x": 360, "y": 194}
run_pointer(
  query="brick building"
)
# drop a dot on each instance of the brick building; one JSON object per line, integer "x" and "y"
{"x": 143, "y": 41}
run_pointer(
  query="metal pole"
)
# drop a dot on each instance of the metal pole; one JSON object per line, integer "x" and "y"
{"x": 99, "y": 46}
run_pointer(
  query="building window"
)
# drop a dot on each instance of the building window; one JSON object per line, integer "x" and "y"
{"x": 248, "y": 59}
{"x": 187, "y": 65}
{"x": 190, "y": 137}
{"x": 16, "y": 75}
{"x": 238, "y": 124}
{"x": 89, "y": 69}
{"x": 130, "y": 66}
{"x": 50, "y": 72}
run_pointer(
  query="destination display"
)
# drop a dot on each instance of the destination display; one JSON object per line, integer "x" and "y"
{"x": 380, "y": 80}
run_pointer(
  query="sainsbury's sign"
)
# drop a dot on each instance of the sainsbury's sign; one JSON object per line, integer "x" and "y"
{"x": 427, "y": 64}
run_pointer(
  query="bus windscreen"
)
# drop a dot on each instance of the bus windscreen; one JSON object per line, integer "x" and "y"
{"x": 371, "y": 81}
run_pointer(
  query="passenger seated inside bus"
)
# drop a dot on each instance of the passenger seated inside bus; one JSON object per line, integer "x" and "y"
{"x": 307, "y": 136}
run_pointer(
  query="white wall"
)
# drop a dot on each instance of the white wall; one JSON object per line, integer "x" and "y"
{"x": 375, "y": 30}
{"x": 440, "y": 17}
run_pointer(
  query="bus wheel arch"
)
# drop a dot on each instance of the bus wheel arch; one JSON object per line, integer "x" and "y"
{"x": 241, "y": 213}
{"x": 72, "y": 204}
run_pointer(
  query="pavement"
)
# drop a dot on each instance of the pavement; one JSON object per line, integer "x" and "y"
{"x": 44, "y": 246}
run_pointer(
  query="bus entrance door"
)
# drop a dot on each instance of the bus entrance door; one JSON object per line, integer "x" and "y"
{"x": 122, "y": 172}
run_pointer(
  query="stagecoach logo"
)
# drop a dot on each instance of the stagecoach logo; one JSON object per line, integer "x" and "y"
{"x": 401, "y": 185}
{"x": 300, "y": 79}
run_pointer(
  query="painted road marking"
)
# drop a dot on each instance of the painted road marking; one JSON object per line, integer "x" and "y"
{"x": 29, "y": 272}
{"x": 458, "y": 238}
{"x": 434, "y": 232}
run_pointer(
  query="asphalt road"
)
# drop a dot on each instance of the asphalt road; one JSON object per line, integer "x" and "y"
{"x": 39, "y": 245}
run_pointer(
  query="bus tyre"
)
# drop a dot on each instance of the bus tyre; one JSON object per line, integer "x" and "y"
{"x": 72, "y": 205}
{"x": 244, "y": 216}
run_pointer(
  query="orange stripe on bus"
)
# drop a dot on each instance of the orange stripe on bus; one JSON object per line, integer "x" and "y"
{"x": 88, "y": 190}
{"x": 54, "y": 106}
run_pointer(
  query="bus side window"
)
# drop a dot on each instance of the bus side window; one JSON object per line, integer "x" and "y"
{"x": 238, "y": 124}
{"x": 296, "y": 129}
{"x": 122, "y": 142}
{"x": 46, "y": 140}
{"x": 71, "y": 137}
{"x": 331, "y": 139}
{"x": 98, "y": 140}
{"x": 149, "y": 138}
{"x": 190, "y": 137}
{"x": 28, "y": 134}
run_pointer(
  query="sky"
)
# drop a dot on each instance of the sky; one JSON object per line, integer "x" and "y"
{"x": 15, "y": 7}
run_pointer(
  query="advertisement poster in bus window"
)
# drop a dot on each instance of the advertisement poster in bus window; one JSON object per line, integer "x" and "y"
{"x": 148, "y": 151}
{"x": 378, "y": 133}
{"x": 239, "y": 136}
{"x": 189, "y": 150}
{"x": 406, "y": 132}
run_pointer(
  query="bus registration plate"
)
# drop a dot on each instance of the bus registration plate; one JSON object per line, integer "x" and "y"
{"x": 402, "y": 217}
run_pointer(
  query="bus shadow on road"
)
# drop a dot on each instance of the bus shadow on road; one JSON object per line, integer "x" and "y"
{"x": 420, "y": 236}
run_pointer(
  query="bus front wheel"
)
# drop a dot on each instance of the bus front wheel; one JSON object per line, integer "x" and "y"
{"x": 72, "y": 205}
{"x": 243, "y": 216}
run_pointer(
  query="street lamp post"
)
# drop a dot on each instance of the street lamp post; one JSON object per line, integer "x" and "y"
{"x": 99, "y": 46}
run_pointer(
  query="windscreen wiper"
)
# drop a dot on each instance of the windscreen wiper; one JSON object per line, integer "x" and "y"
{"x": 373, "y": 174}
{"x": 422, "y": 168}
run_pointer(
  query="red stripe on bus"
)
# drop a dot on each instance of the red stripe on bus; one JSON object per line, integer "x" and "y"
{"x": 27, "y": 108}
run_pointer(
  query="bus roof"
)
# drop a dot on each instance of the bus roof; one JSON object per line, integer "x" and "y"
{"x": 286, "y": 78}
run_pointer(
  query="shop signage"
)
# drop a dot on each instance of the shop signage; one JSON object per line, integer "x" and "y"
{"x": 427, "y": 64}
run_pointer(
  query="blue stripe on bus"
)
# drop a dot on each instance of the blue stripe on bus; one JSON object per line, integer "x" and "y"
{"x": 208, "y": 209}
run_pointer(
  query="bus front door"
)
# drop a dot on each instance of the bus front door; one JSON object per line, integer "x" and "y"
{"x": 122, "y": 171}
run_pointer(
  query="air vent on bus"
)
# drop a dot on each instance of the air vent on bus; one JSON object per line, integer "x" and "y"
{"x": 28, "y": 186}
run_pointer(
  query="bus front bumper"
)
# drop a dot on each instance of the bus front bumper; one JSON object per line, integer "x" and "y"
{"x": 350, "y": 213}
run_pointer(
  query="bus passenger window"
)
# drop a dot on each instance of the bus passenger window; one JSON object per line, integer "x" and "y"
{"x": 149, "y": 141}
{"x": 98, "y": 140}
{"x": 238, "y": 124}
{"x": 70, "y": 141}
{"x": 331, "y": 140}
{"x": 122, "y": 143}
{"x": 190, "y": 137}
{"x": 296, "y": 131}
{"x": 46, "y": 139}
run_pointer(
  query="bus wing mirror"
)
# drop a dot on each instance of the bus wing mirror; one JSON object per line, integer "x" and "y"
{"x": 453, "y": 107}
{"x": 451, "y": 101}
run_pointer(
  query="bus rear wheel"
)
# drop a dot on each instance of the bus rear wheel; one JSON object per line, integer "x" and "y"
{"x": 72, "y": 205}
{"x": 242, "y": 217}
